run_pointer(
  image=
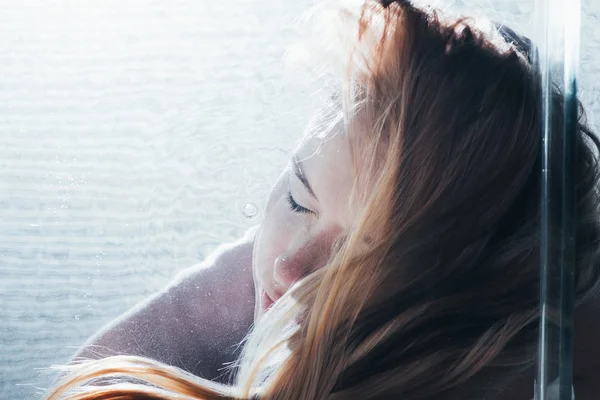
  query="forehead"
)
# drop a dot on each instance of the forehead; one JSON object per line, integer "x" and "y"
{"x": 327, "y": 164}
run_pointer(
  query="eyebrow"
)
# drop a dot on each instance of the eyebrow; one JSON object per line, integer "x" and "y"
{"x": 299, "y": 172}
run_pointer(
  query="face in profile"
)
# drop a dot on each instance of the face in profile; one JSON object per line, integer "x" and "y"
{"x": 307, "y": 210}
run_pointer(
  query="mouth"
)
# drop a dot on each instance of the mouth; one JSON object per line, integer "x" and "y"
{"x": 265, "y": 301}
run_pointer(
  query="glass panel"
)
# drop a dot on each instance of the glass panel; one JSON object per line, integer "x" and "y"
{"x": 557, "y": 59}
{"x": 135, "y": 137}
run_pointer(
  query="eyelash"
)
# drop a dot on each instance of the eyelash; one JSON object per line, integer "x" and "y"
{"x": 295, "y": 206}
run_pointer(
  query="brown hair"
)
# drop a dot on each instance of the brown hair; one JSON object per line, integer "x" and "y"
{"x": 436, "y": 287}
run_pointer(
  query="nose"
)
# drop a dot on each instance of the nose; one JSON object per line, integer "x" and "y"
{"x": 307, "y": 256}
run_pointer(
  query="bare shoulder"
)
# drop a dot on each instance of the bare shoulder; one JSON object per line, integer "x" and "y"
{"x": 228, "y": 261}
{"x": 194, "y": 323}
{"x": 221, "y": 287}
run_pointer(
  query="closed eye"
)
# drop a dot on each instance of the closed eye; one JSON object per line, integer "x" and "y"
{"x": 295, "y": 206}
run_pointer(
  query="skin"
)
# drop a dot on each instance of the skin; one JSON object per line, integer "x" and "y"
{"x": 195, "y": 323}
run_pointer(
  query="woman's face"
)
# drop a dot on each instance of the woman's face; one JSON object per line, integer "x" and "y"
{"x": 306, "y": 212}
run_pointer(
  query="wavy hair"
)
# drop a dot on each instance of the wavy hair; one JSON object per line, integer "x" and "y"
{"x": 435, "y": 289}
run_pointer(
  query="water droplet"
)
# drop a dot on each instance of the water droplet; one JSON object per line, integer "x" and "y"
{"x": 250, "y": 210}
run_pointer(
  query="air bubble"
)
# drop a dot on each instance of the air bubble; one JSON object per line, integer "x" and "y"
{"x": 250, "y": 210}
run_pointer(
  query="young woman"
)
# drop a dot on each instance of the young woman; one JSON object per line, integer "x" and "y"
{"x": 399, "y": 253}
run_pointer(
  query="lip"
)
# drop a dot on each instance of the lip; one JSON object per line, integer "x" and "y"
{"x": 266, "y": 301}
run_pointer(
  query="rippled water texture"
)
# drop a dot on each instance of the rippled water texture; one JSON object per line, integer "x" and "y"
{"x": 135, "y": 136}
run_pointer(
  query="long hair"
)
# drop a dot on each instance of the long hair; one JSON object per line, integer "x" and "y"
{"x": 434, "y": 291}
